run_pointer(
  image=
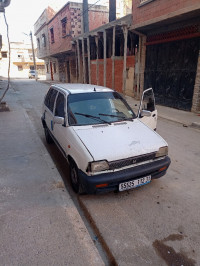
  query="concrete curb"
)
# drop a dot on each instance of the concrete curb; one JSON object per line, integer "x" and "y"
{"x": 195, "y": 125}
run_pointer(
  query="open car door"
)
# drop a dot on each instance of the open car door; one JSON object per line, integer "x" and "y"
{"x": 147, "y": 112}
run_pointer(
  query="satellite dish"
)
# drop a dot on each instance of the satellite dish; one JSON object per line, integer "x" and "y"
{"x": 3, "y": 4}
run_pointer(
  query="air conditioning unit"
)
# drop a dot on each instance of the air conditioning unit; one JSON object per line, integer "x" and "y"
{"x": 3, "y": 4}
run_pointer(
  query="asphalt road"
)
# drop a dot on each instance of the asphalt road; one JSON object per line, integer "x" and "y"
{"x": 157, "y": 224}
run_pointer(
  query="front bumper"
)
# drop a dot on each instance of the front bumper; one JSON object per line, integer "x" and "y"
{"x": 113, "y": 179}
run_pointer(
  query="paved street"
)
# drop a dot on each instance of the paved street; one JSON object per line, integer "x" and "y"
{"x": 157, "y": 224}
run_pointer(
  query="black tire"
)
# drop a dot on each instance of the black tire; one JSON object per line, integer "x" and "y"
{"x": 48, "y": 137}
{"x": 74, "y": 179}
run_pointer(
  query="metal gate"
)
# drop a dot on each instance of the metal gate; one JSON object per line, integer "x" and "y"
{"x": 171, "y": 70}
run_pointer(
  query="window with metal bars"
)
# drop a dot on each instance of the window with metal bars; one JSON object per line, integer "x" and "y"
{"x": 64, "y": 26}
{"x": 52, "y": 35}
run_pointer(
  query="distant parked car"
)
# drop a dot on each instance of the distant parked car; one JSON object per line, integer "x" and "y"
{"x": 108, "y": 146}
{"x": 32, "y": 74}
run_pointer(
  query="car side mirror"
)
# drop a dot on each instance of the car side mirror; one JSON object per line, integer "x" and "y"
{"x": 59, "y": 120}
{"x": 145, "y": 113}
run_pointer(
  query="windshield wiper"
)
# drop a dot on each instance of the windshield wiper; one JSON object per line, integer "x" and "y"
{"x": 94, "y": 117}
{"x": 118, "y": 116}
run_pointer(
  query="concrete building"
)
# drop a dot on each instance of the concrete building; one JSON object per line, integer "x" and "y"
{"x": 158, "y": 46}
{"x": 60, "y": 29}
{"x": 169, "y": 50}
{"x": 107, "y": 56}
{"x": 21, "y": 60}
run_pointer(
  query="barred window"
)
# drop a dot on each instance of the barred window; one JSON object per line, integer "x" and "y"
{"x": 38, "y": 43}
{"x": 43, "y": 40}
{"x": 52, "y": 35}
{"x": 64, "y": 26}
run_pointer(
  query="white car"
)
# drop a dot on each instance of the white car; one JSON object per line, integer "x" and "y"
{"x": 108, "y": 147}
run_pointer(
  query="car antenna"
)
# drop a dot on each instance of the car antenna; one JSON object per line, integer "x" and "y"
{"x": 94, "y": 89}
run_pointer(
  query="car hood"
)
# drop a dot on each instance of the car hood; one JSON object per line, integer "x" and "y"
{"x": 120, "y": 140}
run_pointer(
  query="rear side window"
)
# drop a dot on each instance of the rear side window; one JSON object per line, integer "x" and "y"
{"x": 50, "y": 99}
{"x": 60, "y": 103}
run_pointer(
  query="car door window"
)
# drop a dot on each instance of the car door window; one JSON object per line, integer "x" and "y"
{"x": 60, "y": 103}
{"x": 148, "y": 101}
{"x": 50, "y": 99}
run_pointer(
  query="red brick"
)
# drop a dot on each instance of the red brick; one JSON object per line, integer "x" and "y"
{"x": 158, "y": 8}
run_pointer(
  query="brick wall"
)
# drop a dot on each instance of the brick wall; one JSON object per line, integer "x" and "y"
{"x": 118, "y": 71}
{"x": 97, "y": 19}
{"x": 73, "y": 13}
{"x": 158, "y": 8}
{"x": 60, "y": 43}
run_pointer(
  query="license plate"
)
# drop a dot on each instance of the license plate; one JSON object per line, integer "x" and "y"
{"x": 135, "y": 183}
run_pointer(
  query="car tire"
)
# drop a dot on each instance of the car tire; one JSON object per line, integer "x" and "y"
{"x": 74, "y": 179}
{"x": 48, "y": 137}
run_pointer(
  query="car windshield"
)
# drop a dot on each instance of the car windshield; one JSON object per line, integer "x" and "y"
{"x": 98, "y": 108}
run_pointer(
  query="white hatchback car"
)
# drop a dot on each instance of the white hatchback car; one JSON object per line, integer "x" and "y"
{"x": 108, "y": 147}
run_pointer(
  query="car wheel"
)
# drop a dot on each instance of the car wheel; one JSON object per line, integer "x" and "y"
{"x": 74, "y": 178}
{"x": 48, "y": 137}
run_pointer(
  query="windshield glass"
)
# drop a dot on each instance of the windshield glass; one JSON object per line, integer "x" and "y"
{"x": 97, "y": 108}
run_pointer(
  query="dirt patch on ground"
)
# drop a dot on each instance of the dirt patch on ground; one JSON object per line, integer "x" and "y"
{"x": 169, "y": 255}
{"x": 59, "y": 184}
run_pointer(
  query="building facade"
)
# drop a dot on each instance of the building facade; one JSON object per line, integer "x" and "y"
{"x": 21, "y": 60}
{"x": 107, "y": 56}
{"x": 157, "y": 46}
{"x": 66, "y": 24}
{"x": 170, "y": 61}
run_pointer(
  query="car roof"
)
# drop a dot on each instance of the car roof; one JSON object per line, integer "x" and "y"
{"x": 75, "y": 88}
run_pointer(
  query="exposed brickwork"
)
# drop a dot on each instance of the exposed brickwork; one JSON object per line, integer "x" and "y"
{"x": 118, "y": 71}
{"x": 97, "y": 19}
{"x": 61, "y": 43}
{"x": 76, "y": 22}
{"x": 72, "y": 12}
{"x": 93, "y": 69}
{"x": 158, "y": 8}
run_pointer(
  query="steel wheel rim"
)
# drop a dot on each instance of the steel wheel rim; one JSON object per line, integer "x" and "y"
{"x": 74, "y": 176}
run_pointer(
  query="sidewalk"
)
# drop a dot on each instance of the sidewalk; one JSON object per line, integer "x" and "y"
{"x": 39, "y": 223}
{"x": 175, "y": 115}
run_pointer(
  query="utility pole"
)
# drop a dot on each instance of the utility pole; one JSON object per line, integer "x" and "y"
{"x": 85, "y": 16}
{"x": 33, "y": 55}
{"x": 112, "y": 10}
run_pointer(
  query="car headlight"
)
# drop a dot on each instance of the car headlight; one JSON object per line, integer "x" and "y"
{"x": 162, "y": 152}
{"x": 98, "y": 166}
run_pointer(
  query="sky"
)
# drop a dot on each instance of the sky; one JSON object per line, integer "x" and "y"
{"x": 22, "y": 14}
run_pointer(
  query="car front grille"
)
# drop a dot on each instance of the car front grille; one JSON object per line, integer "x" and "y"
{"x": 131, "y": 161}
